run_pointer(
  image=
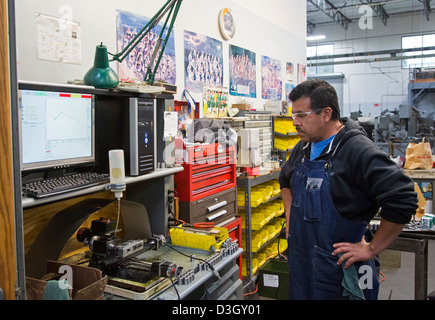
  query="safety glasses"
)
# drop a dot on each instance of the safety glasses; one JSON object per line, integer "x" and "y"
{"x": 301, "y": 115}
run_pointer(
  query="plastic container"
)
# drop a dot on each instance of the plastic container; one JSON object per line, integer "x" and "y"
{"x": 284, "y": 125}
{"x": 188, "y": 238}
{"x": 273, "y": 279}
{"x": 261, "y": 258}
{"x": 286, "y": 143}
{"x": 256, "y": 198}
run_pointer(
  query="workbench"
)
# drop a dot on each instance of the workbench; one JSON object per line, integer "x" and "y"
{"x": 416, "y": 241}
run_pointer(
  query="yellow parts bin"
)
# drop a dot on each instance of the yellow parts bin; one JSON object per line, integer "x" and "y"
{"x": 272, "y": 250}
{"x": 265, "y": 234}
{"x": 262, "y": 215}
{"x": 205, "y": 239}
{"x": 286, "y": 143}
{"x": 260, "y": 193}
{"x": 284, "y": 125}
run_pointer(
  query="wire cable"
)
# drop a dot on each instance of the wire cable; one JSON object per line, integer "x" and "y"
{"x": 175, "y": 288}
{"x": 253, "y": 292}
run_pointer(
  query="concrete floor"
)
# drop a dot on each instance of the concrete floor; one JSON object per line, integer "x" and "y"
{"x": 399, "y": 282}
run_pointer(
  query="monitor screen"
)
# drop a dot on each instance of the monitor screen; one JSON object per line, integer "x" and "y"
{"x": 56, "y": 128}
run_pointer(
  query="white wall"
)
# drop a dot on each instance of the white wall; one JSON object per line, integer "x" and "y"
{"x": 384, "y": 84}
{"x": 276, "y": 28}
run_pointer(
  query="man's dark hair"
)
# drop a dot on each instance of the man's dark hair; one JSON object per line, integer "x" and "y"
{"x": 321, "y": 95}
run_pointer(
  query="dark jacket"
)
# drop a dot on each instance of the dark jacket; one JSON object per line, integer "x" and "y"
{"x": 364, "y": 177}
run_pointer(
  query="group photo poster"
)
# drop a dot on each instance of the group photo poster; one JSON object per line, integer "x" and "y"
{"x": 203, "y": 62}
{"x": 136, "y": 64}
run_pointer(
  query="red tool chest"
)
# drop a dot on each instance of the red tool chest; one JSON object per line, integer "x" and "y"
{"x": 208, "y": 169}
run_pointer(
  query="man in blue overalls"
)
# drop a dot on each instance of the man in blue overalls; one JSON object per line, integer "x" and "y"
{"x": 334, "y": 183}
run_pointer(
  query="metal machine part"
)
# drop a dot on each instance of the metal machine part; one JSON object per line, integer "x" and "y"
{"x": 110, "y": 254}
{"x": 228, "y": 248}
{"x": 162, "y": 268}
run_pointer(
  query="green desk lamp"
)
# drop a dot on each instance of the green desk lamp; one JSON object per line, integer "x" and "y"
{"x": 101, "y": 76}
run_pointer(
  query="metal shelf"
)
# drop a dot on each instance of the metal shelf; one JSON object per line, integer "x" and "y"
{"x": 158, "y": 173}
{"x": 247, "y": 182}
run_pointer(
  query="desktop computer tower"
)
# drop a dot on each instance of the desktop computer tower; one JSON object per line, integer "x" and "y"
{"x": 127, "y": 123}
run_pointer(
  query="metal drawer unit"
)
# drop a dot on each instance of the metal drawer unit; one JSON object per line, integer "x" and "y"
{"x": 208, "y": 169}
{"x": 217, "y": 208}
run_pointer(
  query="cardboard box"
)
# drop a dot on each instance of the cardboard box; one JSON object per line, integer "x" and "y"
{"x": 87, "y": 283}
{"x": 242, "y": 106}
{"x": 275, "y": 107}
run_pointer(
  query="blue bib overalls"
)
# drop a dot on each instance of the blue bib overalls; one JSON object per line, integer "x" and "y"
{"x": 315, "y": 225}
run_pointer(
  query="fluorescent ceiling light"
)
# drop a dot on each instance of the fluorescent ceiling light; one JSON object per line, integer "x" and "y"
{"x": 313, "y": 38}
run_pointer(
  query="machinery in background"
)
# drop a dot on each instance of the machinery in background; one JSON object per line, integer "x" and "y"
{"x": 393, "y": 130}
{"x": 403, "y": 123}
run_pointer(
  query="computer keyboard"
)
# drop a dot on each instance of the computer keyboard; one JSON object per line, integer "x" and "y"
{"x": 55, "y": 186}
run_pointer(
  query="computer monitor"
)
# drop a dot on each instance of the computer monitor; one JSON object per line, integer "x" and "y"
{"x": 56, "y": 127}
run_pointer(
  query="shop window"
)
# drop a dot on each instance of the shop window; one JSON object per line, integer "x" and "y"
{"x": 317, "y": 51}
{"x": 420, "y": 41}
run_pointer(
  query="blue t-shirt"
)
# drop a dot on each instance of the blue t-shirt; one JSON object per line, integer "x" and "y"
{"x": 317, "y": 147}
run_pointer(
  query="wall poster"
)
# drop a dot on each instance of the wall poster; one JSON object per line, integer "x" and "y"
{"x": 288, "y": 88}
{"x": 271, "y": 78}
{"x": 302, "y": 73}
{"x": 243, "y": 76}
{"x": 203, "y": 62}
{"x": 289, "y": 71}
{"x": 135, "y": 65}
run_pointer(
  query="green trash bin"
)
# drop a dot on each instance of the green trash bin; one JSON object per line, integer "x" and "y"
{"x": 273, "y": 279}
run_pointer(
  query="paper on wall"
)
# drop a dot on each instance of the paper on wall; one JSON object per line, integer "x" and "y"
{"x": 58, "y": 39}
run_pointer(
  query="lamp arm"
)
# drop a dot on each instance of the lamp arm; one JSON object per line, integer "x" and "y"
{"x": 143, "y": 32}
{"x": 149, "y": 77}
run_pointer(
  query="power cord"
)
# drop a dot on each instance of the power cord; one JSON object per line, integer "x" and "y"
{"x": 175, "y": 288}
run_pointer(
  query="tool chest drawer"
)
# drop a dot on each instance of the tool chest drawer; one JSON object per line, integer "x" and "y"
{"x": 208, "y": 169}
{"x": 216, "y": 208}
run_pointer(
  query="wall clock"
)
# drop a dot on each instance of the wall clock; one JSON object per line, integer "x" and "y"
{"x": 227, "y": 24}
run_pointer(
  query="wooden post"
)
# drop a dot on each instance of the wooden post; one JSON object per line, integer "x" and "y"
{"x": 8, "y": 273}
